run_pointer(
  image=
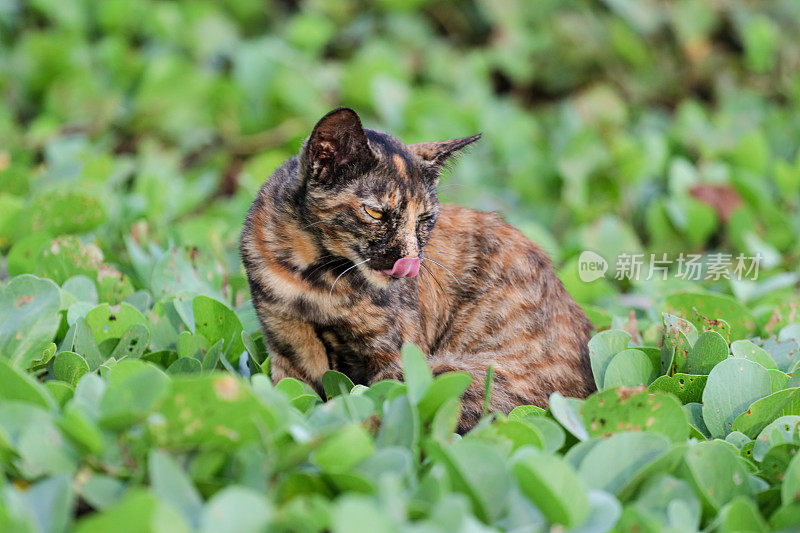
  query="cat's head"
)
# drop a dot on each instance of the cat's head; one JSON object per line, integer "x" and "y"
{"x": 371, "y": 197}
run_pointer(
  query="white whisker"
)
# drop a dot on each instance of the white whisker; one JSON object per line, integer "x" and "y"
{"x": 312, "y": 224}
{"x": 330, "y": 294}
{"x": 430, "y": 273}
{"x": 444, "y": 267}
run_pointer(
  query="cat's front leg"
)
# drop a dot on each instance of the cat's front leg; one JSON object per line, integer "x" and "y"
{"x": 296, "y": 350}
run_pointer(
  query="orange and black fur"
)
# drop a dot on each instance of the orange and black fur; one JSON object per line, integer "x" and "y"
{"x": 320, "y": 243}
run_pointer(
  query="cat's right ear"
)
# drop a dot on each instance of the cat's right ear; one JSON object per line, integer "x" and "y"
{"x": 337, "y": 143}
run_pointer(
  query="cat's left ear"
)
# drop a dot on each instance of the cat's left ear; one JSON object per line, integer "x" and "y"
{"x": 437, "y": 153}
{"x": 337, "y": 143}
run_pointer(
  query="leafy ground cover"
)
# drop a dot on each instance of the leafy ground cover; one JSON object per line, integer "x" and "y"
{"x": 134, "y": 388}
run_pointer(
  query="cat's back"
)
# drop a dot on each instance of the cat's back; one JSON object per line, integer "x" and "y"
{"x": 482, "y": 244}
{"x": 498, "y": 297}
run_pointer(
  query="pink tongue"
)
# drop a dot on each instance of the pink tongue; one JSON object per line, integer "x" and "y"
{"x": 406, "y": 267}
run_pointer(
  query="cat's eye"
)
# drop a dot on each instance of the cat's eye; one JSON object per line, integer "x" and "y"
{"x": 425, "y": 216}
{"x": 377, "y": 215}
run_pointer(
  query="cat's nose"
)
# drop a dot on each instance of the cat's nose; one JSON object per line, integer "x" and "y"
{"x": 405, "y": 267}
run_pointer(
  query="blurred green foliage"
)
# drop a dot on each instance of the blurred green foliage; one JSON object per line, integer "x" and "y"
{"x": 134, "y": 135}
{"x": 616, "y": 126}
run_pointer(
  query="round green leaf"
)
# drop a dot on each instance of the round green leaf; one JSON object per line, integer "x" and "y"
{"x": 70, "y": 367}
{"x": 215, "y": 321}
{"x": 519, "y": 433}
{"x": 29, "y": 318}
{"x": 603, "y": 347}
{"x": 343, "y": 450}
{"x": 767, "y": 409}
{"x": 629, "y": 368}
{"x": 709, "y": 349}
{"x": 790, "y": 490}
{"x": 444, "y": 386}
{"x": 619, "y": 462}
{"x": 622, "y": 409}
{"x": 108, "y": 323}
{"x": 717, "y": 472}
{"x": 748, "y": 350}
{"x": 16, "y": 385}
{"x": 732, "y": 386}
{"x": 553, "y": 486}
{"x": 686, "y": 387}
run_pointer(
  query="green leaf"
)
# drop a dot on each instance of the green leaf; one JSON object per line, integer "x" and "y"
{"x": 49, "y": 501}
{"x": 66, "y": 211}
{"x": 779, "y": 431}
{"x": 234, "y": 509}
{"x": 613, "y": 411}
{"x": 15, "y": 385}
{"x": 551, "y": 431}
{"x": 133, "y": 389}
{"x": 400, "y": 425}
{"x": 767, "y": 409}
{"x": 630, "y": 367}
{"x": 445, "y": 421}
{"x": 416, "y": 373}
{"x": 216, "y": 322}
{"x": 479, "y": 471}
{"x": 291, "y": 387}
{"x": 519, "y": 433}
{"x": 108, "y": 323}
{"x": 171, "y": 484}
{"x": 138, "y": 512}
{"x": 566, "y": 412}
{"x": 40, "y": 447}
{"x": 778, "y": 379}
{"x": 443, "y": 388}
{"x": 732, "y": 386}
{"x": 70, "y": 367}
{"x": 679, "y": 336}
{"x": 29, "y": 318}
{"x": 553, "y": 486}
{"x": 83, "y": 431}
{"x": 335, "y": 383}
{"x": 776, "y": 460}
{"x": 216, "y": 411}
{"x": 694, "y": 412}
{"x": 741, "y": 514}
{"x": 740, "y": 319}
{"x": 102, "y": 491}
{"x": 82, "y": 288}
{"x": 212, "y": 357}
{"x": 617, "y": 464}
{"x": 61, "y": 392}
{"x": 256, "y": 349}
{"x": 709, "y": 349}
{"x": 185, "y": 365}
{"x": 133, "y": 344}
{"x": 717, "y": 473}
{"x": 711, "y": 324}
{"x": 526, "y": 411}
{"x": 41, "y": 363}
{"x": 84, "y": 344}
{"x": 686, "y": 387}
{"x": 603, "y": 347}
{"x": 343, "y": 450}
{"x": 669, "y": 501}
{"x": 748, "y": 350}
{"x": 184, "y": 272}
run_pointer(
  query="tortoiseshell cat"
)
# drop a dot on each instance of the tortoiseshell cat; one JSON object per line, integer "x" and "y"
{"x": 333, "y": 244}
